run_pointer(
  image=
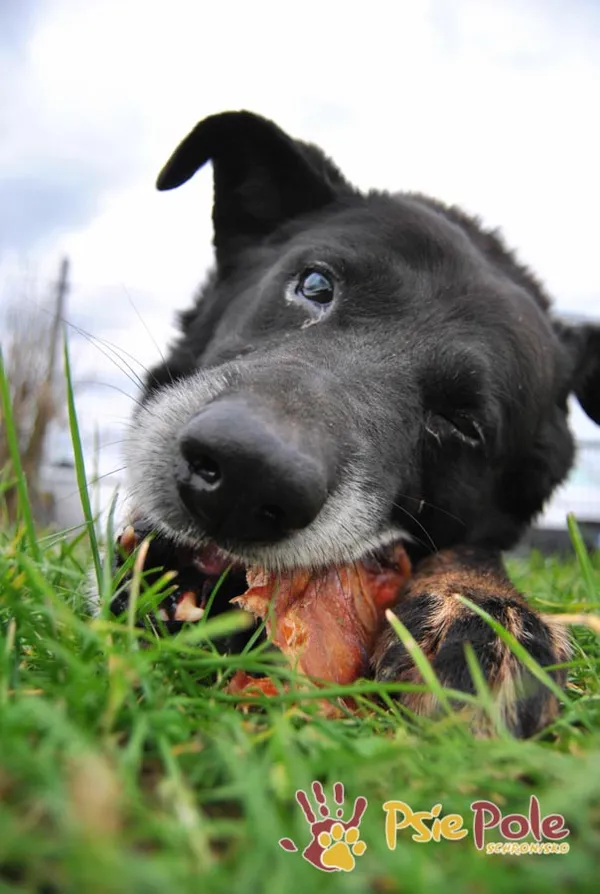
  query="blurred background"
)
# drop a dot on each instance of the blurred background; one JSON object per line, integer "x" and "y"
{"x": 490, "y": 105}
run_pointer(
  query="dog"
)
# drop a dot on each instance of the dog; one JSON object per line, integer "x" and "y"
{"x": 359, "y": 370}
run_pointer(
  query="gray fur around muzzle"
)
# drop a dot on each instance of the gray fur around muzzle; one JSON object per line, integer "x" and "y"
{"x": 264, "y": 459}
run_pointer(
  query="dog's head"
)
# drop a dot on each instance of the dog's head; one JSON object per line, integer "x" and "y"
{"x": 358, "y": 369}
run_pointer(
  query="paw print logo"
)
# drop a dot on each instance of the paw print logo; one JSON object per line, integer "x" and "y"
{"x": 340, "y": 846}
{"x": 334, "y": 842}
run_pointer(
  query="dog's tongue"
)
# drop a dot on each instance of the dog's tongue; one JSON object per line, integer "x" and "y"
{"x": 211, "y": 560}
{"x": 326, "y": 622}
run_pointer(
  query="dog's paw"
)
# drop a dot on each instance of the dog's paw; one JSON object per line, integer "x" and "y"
{"x": 441, "y": 624}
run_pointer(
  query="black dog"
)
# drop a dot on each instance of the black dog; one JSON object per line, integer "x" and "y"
{"x": 358, "y": 370}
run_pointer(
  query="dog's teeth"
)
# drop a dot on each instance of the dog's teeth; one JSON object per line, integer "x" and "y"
{"x": 187, "y": 610}
{"x": 128, "y": 540}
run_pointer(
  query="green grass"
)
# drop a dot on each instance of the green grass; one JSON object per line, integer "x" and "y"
{"x": 125, "y": 766}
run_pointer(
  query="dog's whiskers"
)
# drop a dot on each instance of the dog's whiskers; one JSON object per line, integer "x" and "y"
{"x": 417, "y": 522}
{"x": 435, "y": 508}
{"x": 146, "y": 327}
{"x": 113, "y": 388}
{"x": 89, "y": 483}
{"x": 120, "y": 353}
{"x": 99, "y": 344}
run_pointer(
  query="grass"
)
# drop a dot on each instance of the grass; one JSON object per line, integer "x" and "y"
{"x": 126, "y": 767}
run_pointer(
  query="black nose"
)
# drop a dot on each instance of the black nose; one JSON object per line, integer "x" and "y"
{"x": 245, "y": 476}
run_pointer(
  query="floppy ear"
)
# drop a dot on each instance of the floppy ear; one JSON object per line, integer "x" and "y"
{"x": 582, "y": 344}
{"x": 262, "y": 177}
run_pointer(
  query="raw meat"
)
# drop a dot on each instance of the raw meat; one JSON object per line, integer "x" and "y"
{"x": 326, "y": 622}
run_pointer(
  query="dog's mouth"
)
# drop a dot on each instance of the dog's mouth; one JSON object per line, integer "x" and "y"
{"x": 200, "y": 575}
{"x": 206, "y": 576}
{"x": 325, "y": 621}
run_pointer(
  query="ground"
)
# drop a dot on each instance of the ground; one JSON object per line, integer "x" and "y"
{"x": 129, "y": 769}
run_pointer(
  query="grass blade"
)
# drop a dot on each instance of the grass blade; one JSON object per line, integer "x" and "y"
{"x": 518, "y": 650}
{"x": 419, "y": 658}
{"x": 15, "y": 455}
{"x": 488, "y": 703}
{"x": 80, "y": 468}
{"x": 583, "y": 558}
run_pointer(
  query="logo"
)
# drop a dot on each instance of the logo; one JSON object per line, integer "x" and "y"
{"x": 334, "y": 842}
{"x": 399, "y": 815}
{"x": 547, "y": 832}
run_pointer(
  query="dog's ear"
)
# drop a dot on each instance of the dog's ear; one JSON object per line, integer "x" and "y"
{"x": 582, "y": 345}
{"x": 262, "y": 177}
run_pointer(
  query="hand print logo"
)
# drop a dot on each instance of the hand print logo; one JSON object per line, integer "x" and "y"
{"x": 334, "y": 842}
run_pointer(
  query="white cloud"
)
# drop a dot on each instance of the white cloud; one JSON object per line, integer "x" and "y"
{"x": 488, "y": 105}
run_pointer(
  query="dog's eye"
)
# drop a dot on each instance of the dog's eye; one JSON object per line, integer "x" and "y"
{"x": 459, "y": 425}
{"x": 467, "y": 428}
{"x": 315, "y": 286}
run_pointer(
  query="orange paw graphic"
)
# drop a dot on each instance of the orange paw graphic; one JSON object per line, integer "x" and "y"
{"x": 340, "y": 847}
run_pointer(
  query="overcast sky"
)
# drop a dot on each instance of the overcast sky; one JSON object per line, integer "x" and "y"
{"x": 491, "y": 104}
